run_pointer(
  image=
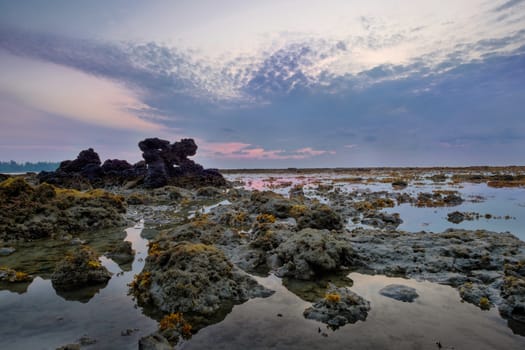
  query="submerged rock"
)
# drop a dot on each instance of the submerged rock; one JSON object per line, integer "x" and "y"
{"x": 79, "y": 269}
{"x": 339, "y": 307}
{"x": 399, "y": 292}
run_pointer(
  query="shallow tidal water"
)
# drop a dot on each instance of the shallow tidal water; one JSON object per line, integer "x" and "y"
{"x": 36, "y": 317}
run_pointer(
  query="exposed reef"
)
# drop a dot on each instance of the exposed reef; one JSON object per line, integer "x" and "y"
{"x": 30, "y": 212}
{"x": 164, "y": 163}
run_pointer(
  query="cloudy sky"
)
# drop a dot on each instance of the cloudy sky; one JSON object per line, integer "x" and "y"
{"x": 266, "y": 83}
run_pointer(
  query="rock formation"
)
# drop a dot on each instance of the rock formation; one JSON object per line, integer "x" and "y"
{"x": 164, "y": 163}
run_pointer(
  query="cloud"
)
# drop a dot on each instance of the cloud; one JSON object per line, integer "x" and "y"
{"x": 239, "y": 150}
{"x": 508, "y": 5}
{"x": 72, "y": 94}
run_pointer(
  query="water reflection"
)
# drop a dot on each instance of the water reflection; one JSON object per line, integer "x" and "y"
{"x": 40, "y": 319}
{"x": 437, "y": 315}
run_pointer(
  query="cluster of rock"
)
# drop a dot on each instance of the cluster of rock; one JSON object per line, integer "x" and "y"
{"x": 164, "y": 163}
{"x": 30, "y": 212}
{"x": 486, "y": 267}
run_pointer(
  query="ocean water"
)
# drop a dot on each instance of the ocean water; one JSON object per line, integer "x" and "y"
{"x": 479, "y": 198}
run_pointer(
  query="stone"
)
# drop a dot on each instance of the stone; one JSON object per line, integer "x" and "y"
{"x": 339, "y": 307}
{"x": 192, "y": 277}
{"x": 81, "y": 268}
{"x": 155, "y": 341}
{"x": 311, "y": 252}
{"x": 399, "y": 292}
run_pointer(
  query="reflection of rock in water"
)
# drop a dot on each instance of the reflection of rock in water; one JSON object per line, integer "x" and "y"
{"x": 83, "y": 295}
{"x": 516, "y": 327}
{"x": 313, "y": 290}
{"x": 18, "y": 288}
{"x": 123, "y": 255}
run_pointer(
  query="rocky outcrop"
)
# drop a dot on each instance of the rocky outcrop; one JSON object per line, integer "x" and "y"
{"x": 79, "y": 269}
{"x": 339, "y": 307}
{"x": 192, "y": 277}
{"x": 486, "y": 267}
{"x": 310, "y": 252}
{"x": 86, "y": 172}
{"x": 168, "y": 163}
{"x": 30, "y": 212}
{"x": 164, "y": 164}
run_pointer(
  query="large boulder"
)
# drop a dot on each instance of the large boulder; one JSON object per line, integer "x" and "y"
{"x": 30, "y": 212}
{"x": 192, "y": 277}
{"x": 79, "y": 269}
{"x": 339, "y": 307}
{"x": 312, "y": 252}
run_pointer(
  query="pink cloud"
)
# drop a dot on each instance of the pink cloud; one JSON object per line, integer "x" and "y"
{"x": 239, "y": 150}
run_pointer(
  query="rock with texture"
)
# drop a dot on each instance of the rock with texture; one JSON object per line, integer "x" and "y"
{"x": 339, "y": 307}
{"x": 81, "y": 268}
{"x": 399, "y": 292}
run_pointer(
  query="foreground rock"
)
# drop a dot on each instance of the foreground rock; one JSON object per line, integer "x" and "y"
{"x": 311, "y": 252}
{"x": 81, "y": 268}
{"x": 192, "y": 277}
{"x": 399, "y": 292}
{"x": 339, "y": 307}
{"x": 486, "y": 267}
{"x": 30, "y": 212}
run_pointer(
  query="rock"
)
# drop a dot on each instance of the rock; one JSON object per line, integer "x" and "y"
{"x": 381, "y": 219}
{"x": 73, "y": 346}
{"x": 399, "y": 292}
{"x": 208, "y": 192}
{"x": 122, "y": 253}
{"x": 4, "y": 251}
{"x": 192, "y": 277}
{"x": 475, "y": 294}
{"x": 399, "y": 184}
{"x": 13, "y": 276}
{"x": 169, "y": 163}
{"x": 81, "y": 268}
{"x": 319, "y": 216}
{"x": 155, "y": 341}
{"x": 163, "y": 164}
{"x": 455, "y": 217}
{"x": 31, "y": 212}
{"x": 513, "y": 291}
{"x": 85, "y": 340}
{"x": 311, "y": 252}
{"x": 339, "y": 307}
{"x": 268, "y": 202}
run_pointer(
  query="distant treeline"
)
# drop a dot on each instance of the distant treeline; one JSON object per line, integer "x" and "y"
{"x": 14, "y": 167}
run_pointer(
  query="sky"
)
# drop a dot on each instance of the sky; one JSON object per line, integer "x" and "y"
{"x": 266, "y": 84}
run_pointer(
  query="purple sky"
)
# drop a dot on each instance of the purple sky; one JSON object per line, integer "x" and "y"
{"x": 266, "y": 84}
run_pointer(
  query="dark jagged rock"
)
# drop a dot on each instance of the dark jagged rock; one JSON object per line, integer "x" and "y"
{"x": 169, "y": 164}
{"x": 164, "y": 164}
